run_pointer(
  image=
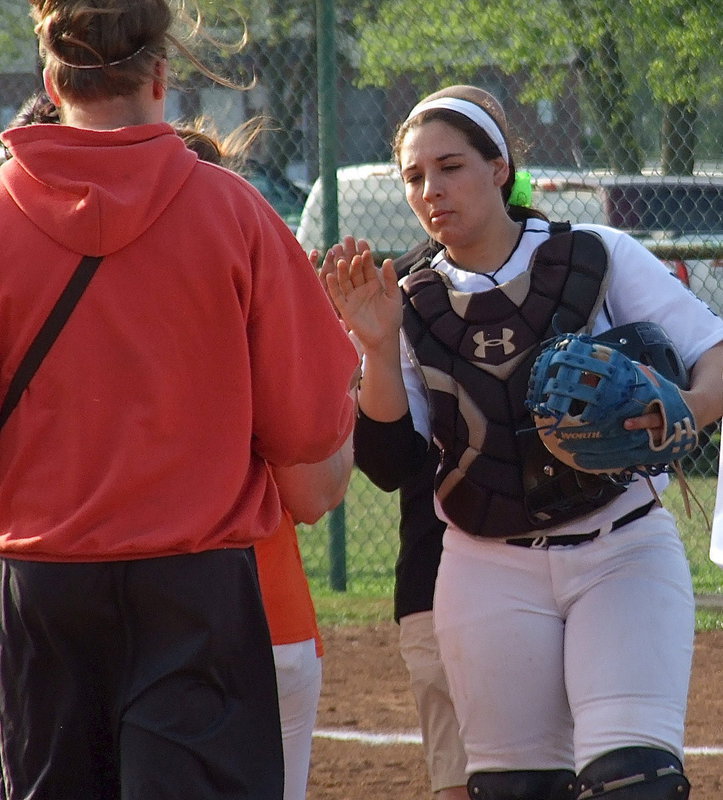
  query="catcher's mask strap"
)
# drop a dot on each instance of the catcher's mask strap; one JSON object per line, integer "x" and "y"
{"x": 545, "y": 542}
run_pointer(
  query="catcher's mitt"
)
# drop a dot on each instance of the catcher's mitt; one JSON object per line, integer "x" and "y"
{"x": 580, "y": 393}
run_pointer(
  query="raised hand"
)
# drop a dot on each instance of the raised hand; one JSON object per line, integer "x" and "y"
{"x": 346, "y": 249}
{"x": 368, "y": 299}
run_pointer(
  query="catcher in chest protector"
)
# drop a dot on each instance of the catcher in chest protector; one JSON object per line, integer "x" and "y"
{"x": 563, "y": 604}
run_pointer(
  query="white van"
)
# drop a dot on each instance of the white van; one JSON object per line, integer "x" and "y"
{"x": 372, "y": 206}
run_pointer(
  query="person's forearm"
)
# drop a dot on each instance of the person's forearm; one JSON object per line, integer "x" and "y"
{"x": 382, "y": 396}
{"x": 308, "y": 491}
{"x": 705, "y": 398}
{"x": 388, "y": 453}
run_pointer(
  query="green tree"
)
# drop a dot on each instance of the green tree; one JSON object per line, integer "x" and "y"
{"x": 17, "y": 40}
{"x": 681, "y": 41}
{"x": 277, "y": 53}
{"x": 282, "y": 48}
{"x": 613, "y": 46}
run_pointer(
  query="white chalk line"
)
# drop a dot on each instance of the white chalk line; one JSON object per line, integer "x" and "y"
{"x": 351, "y": 735}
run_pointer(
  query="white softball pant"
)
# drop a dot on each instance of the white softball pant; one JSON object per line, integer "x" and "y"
{"x": 557, "y": 656}
{"x": 298, "y": 678}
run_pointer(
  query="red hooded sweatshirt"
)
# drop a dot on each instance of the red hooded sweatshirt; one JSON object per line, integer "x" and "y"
{"x": 203, "y": 348}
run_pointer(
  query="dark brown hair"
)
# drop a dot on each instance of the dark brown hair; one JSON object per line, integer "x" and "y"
{"x": 37, "y": 109}
{"x": 476, "y": 137}
{"x": 97, "y": 49}
{"x": 203, "y": 145}
{"x": 232, "y": 150}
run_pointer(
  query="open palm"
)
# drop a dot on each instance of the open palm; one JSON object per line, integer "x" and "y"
{"x": 368, "y": 299}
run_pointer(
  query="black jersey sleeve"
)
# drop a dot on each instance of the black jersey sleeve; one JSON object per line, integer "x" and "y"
{"x": 388, "y": 453}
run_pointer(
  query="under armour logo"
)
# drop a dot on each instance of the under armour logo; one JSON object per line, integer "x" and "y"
{"x": 505, "y": 343}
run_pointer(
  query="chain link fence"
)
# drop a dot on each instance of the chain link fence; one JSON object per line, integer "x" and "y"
{"x": 617, "y": 106}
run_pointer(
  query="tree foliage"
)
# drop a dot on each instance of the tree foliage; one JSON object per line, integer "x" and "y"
{"x": 680, "y": 42}
{"x": 282, "y": 53}
{"x": 670, "y": 46}
{"x": 16, "y": 32}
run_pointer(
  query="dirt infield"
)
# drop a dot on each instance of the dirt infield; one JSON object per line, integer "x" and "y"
{"x": 365, "y": 692}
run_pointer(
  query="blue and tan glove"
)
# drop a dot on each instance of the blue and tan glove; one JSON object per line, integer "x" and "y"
{"x": 580, "y": 393}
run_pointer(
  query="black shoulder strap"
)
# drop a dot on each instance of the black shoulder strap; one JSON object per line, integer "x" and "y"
{"x": 416, "y": 258}
{"x": 559, "y": 227}
{"x": 48, "y": 333}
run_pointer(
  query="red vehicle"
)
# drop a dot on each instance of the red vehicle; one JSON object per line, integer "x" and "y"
{"x": 679, "y": 218}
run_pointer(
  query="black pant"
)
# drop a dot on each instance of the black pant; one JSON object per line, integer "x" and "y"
{"x": 141, "y": 680}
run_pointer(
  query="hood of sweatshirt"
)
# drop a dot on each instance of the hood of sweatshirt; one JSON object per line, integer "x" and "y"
{"x": 91, "y": 191}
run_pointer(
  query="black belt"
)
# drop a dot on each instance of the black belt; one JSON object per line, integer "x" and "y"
{"x": 543, "y": 542}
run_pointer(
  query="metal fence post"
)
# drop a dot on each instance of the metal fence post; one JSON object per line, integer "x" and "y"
{"x": 327, "y": 100}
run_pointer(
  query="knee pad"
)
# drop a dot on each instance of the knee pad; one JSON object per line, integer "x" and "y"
{"x": 633, "y": 773}
{"x": 543, "y": 784}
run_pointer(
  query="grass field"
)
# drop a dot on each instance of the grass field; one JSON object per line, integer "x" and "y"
{"x": 369, "y": 520}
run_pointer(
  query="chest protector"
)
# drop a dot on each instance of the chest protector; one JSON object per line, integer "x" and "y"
{"x": 475, "y": 351}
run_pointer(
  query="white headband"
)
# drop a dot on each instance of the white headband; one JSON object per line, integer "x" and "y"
{"x": 472, "y": 111}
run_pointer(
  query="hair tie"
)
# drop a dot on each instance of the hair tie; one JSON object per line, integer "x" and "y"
{"x": 477, "y": 114}
{"x": 98, "y": 66}
{"x": 521, "y": 192}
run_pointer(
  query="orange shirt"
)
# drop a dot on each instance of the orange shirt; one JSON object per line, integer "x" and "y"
{"x": 284, "y": 587}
